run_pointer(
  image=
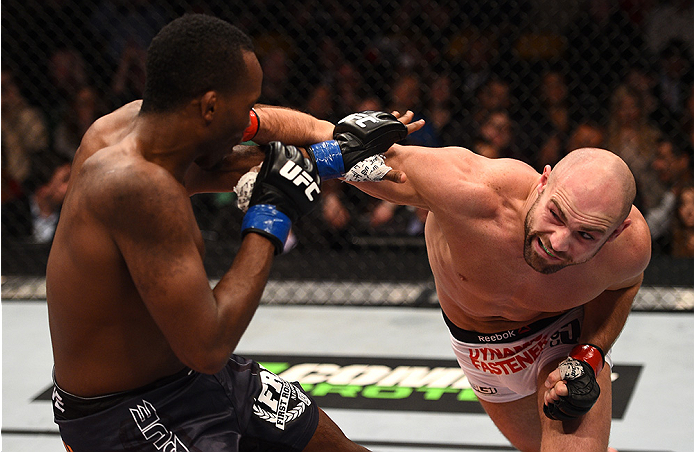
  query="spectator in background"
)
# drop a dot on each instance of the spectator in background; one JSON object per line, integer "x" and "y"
{"x": 128, "y": 82}
{"x": 588, "y": 134}
{"x": 494, "y": 95}
{"x": 642, "y": 80}
{"x": 687, "y": 124}
{"x": 34, "y": 216}
{"x": 406, "y": 94}
{"x": 476, "y": 50}
{"x": 349, "y": 85}
{"x": 673, "y": 79}
{"x": 11, "y": 189}
{"x": 120, "y": 24}
{"x": 442, "y": 109}
{"x": 321, "y": 102}
{"x": 631, "y": 136}
{"x": 275, "y": 64}
{"x": 24, "y": 132}
{"x": 672, "y": 164}
{"x": 601, "y": 44}
{"x": 670, "y": 20}
{"x": 82, "y": 110}
{"x": 683, "y": 231}
{"x": 66, "y": 73}
{"x": 555, "y": 118}
{"x": 498, "y": 137}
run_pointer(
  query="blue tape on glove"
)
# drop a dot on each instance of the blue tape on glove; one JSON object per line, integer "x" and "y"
{"x": 328, "y": 159}
{"x": 265, "y": 218}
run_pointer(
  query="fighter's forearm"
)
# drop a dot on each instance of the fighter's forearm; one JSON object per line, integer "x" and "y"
{"x": 605, "y": 316}
{"x": 290, "y": 126}
{"x": 227, "y": 174}
{"x": 239, "y": 291}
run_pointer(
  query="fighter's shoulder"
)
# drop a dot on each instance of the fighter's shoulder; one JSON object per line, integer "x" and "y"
{"x": 119, "y": 185}
{"x": 630, "y": 252}
{"x": 102, "y": 131}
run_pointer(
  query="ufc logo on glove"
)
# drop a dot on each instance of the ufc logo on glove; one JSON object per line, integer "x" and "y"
{"x": 293, "y": 172}
{"x": 360, "y": 119}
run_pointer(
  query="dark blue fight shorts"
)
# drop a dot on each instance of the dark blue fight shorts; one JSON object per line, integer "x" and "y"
{"x": 244, "y": 407}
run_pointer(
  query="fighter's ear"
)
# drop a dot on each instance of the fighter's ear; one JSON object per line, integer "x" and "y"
{"x": 208, "y": 102}
{"x": 544, "y": 177}
{"x": 625, "y": 224}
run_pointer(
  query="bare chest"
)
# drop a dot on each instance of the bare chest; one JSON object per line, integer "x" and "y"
{"x": 483, "y": 276}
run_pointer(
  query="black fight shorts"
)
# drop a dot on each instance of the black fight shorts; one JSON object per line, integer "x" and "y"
{"x": 242, "y": 408}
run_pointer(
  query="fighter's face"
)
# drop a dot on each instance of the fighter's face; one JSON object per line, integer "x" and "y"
{"x": 558, "y": 235}
{"x": 233, "y": 111}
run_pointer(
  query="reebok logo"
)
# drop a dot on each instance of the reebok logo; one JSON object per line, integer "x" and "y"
{"x": 360, "y": 119}
{"x": 498, "y": 336}
{"x": 293, "y": 172}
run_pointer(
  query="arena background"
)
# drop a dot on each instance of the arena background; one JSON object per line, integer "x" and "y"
{"x": 455, "y": 63}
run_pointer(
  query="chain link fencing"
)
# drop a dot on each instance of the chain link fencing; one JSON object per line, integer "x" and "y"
{"x": 526, "y": 79}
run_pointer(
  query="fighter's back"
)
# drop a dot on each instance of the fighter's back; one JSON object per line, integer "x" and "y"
{"x": 104, "y": 339}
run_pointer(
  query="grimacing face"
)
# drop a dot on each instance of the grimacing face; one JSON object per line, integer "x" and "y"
{"x": 554, "y": 239}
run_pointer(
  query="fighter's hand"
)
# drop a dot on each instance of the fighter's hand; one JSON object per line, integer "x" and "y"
{"x": 407, "y": 120}
{"x": 398, "y": 176}
{"x": 285, "y": 188}
{"x": 556, "y": 387}
{"x": 572, "y": 388}
{"x": 356, "y": 137}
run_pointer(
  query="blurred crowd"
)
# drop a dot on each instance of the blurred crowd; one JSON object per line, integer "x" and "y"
{"x": 524, "y": 79}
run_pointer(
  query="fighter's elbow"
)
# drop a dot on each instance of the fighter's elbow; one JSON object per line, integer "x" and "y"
{"x": 207, "y": 361}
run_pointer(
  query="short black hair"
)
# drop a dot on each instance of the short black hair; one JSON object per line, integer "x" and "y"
{"x": 191, "y": 55}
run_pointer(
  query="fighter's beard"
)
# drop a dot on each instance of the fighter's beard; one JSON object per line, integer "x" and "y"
{"x": 535, "y": 260}
{"x": 531, "y": 257}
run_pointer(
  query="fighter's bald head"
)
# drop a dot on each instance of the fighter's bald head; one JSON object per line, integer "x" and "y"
{"x": 599, "y": 176}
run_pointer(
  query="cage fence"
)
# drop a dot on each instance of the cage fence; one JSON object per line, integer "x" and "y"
{"x": 523, "y": 79}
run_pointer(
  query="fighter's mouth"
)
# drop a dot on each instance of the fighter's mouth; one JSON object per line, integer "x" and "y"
{"x": 545, "y": 248}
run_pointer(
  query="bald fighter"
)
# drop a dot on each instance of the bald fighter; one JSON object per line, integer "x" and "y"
{"x": 143, "y": 346}
{"x": 535, "y": 274}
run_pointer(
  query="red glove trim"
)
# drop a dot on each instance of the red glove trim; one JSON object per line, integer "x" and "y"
{"x": 591, "y": 354}
{"x": 252, "y": 130}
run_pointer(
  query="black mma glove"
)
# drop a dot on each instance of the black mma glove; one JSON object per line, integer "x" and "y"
{"x": 579, "y": 371}
{"x": 286, "y": 187}
{"x": 356, "y": 137}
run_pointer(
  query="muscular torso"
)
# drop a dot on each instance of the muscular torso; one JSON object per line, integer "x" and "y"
{"x": 104, "y": 339}
{"x": 484, "y": 284}
{"x": 475, "y": 234}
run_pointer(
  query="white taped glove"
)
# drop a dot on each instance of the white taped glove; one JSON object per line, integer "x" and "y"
{"x": 371, "y": 169}
{"x": 244, "y": 190}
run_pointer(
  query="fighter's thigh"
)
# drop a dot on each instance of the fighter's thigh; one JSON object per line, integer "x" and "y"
{"x": 588, "y": 433}
{"x": 329, "y": 437}
{"x": 518, "y": 421}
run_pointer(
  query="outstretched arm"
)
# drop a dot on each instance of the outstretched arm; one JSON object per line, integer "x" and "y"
{"x": 431, "y": 178}
{"x": 273, "y": 124}
{"x": 290, "y": 126}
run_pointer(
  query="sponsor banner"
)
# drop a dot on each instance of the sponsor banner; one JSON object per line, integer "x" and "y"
{"x": 400, "y": 384}
{"x": 427, "y": 385}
